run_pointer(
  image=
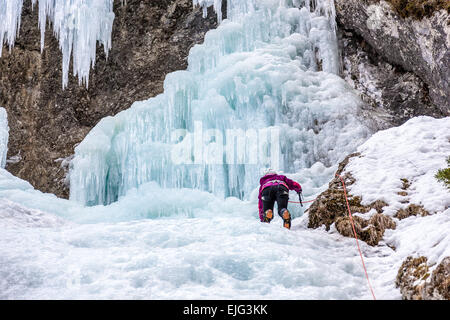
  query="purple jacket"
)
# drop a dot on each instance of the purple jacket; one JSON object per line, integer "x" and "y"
{"x": 267, "y": 181}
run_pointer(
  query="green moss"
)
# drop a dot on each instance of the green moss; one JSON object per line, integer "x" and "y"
{"x": 443, "y": 175}
{"x": 419, "y": 9}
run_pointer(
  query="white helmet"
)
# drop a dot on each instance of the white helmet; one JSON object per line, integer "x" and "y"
{"x": 267, "y": 171}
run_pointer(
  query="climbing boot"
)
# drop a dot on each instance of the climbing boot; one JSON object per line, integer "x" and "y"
{"x": 286, "y": 219}
{"x": 268, "y": 215}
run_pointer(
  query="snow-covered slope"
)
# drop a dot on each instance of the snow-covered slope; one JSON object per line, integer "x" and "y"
{"x": 261, "y": 91}
{"x": 413, "y": 151}
{"x": 398, "y": 166}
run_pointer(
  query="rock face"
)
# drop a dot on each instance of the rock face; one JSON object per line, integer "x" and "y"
{"x": 415, "y": 282}
{"x": 330, "y": 208}
{"x": 150, "y": 39}
{"x": 400, "y": 65}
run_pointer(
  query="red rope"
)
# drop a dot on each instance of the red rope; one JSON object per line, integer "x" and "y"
{"x": 356, "y": 237}
{"x": 354, "y": 232}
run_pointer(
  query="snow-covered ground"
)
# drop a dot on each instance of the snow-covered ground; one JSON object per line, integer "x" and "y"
{"x": 220, "y": 250}
{"x": 231, "y": 257}
{"x": 413, "y": 151}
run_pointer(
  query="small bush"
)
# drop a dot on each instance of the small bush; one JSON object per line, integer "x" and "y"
{"x": 443, "y": 175}
{"x": 419, "y": 9}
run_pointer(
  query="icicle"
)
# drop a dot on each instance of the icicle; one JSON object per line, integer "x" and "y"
{"x": 217, "y": 5}
{"x": 78, "y": 25}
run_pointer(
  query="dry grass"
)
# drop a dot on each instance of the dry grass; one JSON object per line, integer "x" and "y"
{"x": 419, "y": 9}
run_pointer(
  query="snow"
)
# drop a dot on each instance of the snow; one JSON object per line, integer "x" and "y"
{"x": 205, "y": 247}
{"x": 218, "y": 258}
{"x": 14, "y": 215}
{"x": 52, "y": 248}
{"x": 56, "y": 249}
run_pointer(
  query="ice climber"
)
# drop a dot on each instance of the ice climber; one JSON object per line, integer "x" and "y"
{"x": 275, "y": 187}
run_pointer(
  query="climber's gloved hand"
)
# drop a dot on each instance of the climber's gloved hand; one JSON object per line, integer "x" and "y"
{"x": 300, "y": 197}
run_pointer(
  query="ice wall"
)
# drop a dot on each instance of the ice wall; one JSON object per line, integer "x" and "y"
{"x": 78, "y": 25}
{"x": 253, "y": 96}
{"x": 4, "y": 134}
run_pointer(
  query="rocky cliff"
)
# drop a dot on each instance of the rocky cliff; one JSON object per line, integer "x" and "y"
{"x": 150, "y": 39}
{"x": 396, "y": 54}
{"x": 398, "y": 60}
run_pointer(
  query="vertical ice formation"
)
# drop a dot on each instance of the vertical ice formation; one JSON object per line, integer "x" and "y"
{"x": 217, "y": 4}
{"x": 251, "y": 88}
{"x": 10, "y": 11}
{"x": 78, "y": 25}
{"x": 4, "y": 133}
{"x": 324, "y": 8}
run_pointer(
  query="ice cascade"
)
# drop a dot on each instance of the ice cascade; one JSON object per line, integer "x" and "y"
{"x": 261, "y": 91}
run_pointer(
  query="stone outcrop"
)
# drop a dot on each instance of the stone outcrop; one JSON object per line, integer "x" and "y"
{"x": 416, "y": 283}
{"x": 330, "y": 207}
{"x": 411, "y": 210}
{"x": 150, "y": 39}
{"x": 400, "y": 64}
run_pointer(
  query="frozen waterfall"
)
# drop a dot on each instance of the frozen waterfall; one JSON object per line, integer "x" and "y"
{"x": 261, "y": 91}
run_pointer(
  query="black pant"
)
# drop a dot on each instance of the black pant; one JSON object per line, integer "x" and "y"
{"x": 278, "y": 193}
